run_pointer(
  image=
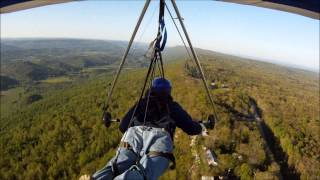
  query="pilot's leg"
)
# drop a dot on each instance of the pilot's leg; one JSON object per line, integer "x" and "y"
{"x": 125, "y": 160}
{"x": 127, "y": 157}
{"x": 154, "y": 167}
{"x": 156, "y": 140}
{"x": 133, "y": 173}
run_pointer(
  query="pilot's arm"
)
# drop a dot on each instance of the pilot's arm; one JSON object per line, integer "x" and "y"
{"x": 183, "y": 120}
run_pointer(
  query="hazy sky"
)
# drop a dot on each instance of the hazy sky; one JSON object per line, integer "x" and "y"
{"x": 225, "y": 27}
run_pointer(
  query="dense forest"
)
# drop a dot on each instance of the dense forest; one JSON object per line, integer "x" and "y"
{"x": 268, "y": 115}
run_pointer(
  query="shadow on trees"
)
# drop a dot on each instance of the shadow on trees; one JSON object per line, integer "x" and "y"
{"x": 239, "y": 115}
{"x": 280, "y": 156}
{"x": 273, "y": 142}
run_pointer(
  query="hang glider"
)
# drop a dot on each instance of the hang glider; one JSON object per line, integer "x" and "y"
{"x": 308, "y": 8}
{"x": 7, "y": 6}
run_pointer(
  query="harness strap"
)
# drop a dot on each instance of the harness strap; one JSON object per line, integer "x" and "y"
{"x": 114, "y": 166}
{"x": 169, "y": 156}
{"x": 125, "y": 145}
{"x": 137, "y": 166}
{"x": 114, "y": 169}
{"x": 141, "y": 170}
{"x": 162, "y": 31}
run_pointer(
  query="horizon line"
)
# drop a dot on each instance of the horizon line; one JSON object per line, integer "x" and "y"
{"x": 316, "y": 70}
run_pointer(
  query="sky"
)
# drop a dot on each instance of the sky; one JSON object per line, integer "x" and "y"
{"x": 247, "y": 31}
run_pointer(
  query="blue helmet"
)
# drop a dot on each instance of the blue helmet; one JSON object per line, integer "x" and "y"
{"x": 160, "y": 84}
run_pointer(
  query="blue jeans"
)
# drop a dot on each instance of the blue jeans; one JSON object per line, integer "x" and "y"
{"x": 142, "y": 139}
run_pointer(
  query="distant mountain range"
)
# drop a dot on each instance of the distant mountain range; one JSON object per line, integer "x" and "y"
{"x": 37, "y": 59}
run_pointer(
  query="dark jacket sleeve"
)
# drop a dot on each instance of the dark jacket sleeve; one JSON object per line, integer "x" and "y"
{"x": 126, "y": 120}
{"x": 183, "y": 120}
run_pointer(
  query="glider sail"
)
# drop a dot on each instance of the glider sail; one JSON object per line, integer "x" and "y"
{"x": 308, "y": 8}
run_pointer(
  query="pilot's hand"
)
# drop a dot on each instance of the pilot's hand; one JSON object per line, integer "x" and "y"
{"x": 209, "y": 124}
{"x": 106, "y": 119}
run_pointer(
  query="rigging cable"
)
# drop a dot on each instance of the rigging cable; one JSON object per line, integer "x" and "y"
{"x": 195, "y": 57}
{"x": 106, "y": 103}
{"x": 149, "y": 92}
{"x": 143, "y": 31}
{"x": 114, "y": 163}
{"x": 175, "y": 24}
{"x": 158, "y": 47}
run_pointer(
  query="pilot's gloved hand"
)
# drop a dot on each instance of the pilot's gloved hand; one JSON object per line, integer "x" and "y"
{"x": 209, "y": 124}
{"x": 106, "y": 119}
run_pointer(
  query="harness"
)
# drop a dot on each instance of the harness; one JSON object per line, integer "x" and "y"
{"x": 169, "y": 156}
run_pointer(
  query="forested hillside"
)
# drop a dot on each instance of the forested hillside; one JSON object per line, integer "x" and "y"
{"x": 289, "y": 100}
{"x": 7, "y": 83}
{"x": 268, "y": 119}
{"x": 39, "y": 59}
